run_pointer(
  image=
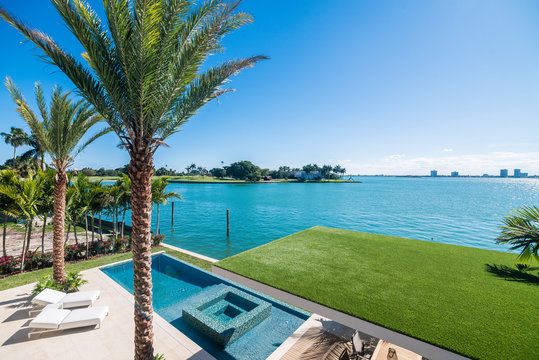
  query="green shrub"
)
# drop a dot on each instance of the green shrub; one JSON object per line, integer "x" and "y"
{"x": 73, "y": 283}
{"x": 159, "y": 357}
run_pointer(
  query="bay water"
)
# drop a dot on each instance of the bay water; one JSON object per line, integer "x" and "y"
{"x": 460, "y": 211}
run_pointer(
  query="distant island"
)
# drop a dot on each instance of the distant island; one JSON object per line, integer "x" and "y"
{"x": 239, "y": 172}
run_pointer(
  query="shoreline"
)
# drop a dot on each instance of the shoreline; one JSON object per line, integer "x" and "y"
{"x": 263, "y": 182}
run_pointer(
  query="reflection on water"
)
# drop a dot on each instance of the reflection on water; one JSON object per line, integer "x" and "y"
{"x": 451, "y": 210}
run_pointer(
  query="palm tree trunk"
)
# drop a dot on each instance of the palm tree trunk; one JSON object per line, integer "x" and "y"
{"x": 43, "y": 233}
{"x": 141, "y": 172}
{"x": 75, "y": 233}
{"x": 23, "y": 247}
{"x": 123, "y": 223}
{"x": 86, "y": 228}
{"x": 157, "y": 222}
{"x": 60, "y": 185}
{"x": 29, "y": 233}
{"x": 100, "y": 228}
{"x": 4, "y": 236}
{"x": 93, "y": 227}
{"x": 14, "y": 156}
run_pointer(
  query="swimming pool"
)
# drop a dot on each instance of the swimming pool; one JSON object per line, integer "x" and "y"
{"x": 177, "y": 285}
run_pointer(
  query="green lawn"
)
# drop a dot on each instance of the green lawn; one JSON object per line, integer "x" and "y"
{"x": 32, "y": 276}
{"x": 442, "y": 294}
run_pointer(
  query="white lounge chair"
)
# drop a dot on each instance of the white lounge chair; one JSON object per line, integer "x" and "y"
{"x": 54, "y": 319}
{"x": 71, "y": 300}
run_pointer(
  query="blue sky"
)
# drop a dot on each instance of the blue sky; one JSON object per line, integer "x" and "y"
{"x": 393, "y": 87}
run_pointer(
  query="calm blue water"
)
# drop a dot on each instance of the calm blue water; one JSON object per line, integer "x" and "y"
{"x": 459, "y": 211}
{"x": 177, "y": 284}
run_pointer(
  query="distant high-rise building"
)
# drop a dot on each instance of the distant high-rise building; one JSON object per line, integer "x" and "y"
{"x": 454, "y": 173}
{"x": 517, "y": 173}
{"x": 504, "y": 173}
{"x": 433, "y": 173}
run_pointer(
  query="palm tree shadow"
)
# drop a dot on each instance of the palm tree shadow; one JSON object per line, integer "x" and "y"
{"x": 512, "y": 274}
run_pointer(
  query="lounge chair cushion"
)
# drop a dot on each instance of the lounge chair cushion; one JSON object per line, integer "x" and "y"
{"x": 49, "y": 319}
{"x": 84, "y": 317}
{"x": 80, "y": 298}
{"x": 48, "y": 296}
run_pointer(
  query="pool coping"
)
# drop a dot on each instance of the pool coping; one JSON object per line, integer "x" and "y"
{"x": 187, "y": 252}
{"x": 420, "y": 347}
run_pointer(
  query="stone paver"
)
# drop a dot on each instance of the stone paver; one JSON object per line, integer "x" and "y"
{"x": 114, "y": 340}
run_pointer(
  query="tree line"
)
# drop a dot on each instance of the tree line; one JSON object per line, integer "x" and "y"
{"x": 31, "y": 198}
{"x": 241, "y": 170}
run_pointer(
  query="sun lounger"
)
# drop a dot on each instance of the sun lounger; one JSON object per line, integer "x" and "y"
{"x": 54, "y": 319}
{"x": 67, "y": 301}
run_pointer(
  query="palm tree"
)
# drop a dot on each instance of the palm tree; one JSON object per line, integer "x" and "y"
{"x": 59, "y": 132}
{"x": 161, "y": 197}
{"x": 16, "y": 137}
{"x": 97, "y": 204}
{"x": 8, "y": 178}
{"x": 145, "y": 74}
{"x": 26, "y": 195}
{"x": 36, "y": 152}
{"x": 521, "y": 231}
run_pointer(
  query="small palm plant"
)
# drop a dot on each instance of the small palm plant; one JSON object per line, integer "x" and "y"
{"x": 60, "y": 133}
{"x": 521, "y": 231}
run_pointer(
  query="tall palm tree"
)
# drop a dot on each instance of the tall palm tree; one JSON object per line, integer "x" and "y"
{"x": 60, "y": 131}
{"x": 16, "y": 137}
{"x": 160, "y": 196}
{"x": 521, "y": 231}
{"x": 145, "y": 74}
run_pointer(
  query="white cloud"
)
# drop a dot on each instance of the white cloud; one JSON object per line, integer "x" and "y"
{"x": 448, "y": 150}
{"x": 470, "y": 164}
{"x": 395, "y": 157}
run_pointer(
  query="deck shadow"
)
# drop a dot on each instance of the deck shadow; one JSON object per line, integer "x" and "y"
{"x": 512, "y": 274}
{"x": 18, "y": 315}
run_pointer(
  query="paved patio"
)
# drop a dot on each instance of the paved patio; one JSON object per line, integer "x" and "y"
{"x": 114, "y": 340}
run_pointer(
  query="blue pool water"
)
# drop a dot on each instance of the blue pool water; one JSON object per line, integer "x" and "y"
{"x": 177, "y": 284}
{"x": 461, "y": 211}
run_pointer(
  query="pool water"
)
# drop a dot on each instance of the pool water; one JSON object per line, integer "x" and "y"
{"x": 177, "y": 284}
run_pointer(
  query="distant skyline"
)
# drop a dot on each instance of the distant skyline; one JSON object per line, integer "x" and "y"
{"x": 377, "y": 87}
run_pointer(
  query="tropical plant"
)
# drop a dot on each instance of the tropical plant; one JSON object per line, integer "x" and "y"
{"x": 26, "y": 195}
{"x": 16, "y": 138}
{"x": 72, "y": 283}
{"x": 36, "y": 152}
{"x": 60, "y": 131}
{"x": 8, "y": 207}
{"x": 160, "y": 196}
{"x": 145, "y": 74}
{"x": 521, "y": 231}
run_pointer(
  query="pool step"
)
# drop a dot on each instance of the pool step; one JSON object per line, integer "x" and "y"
{"x": 174, "y": 311}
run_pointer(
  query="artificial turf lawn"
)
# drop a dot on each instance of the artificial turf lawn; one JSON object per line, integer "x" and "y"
{"x": 439, "y": 293}
{"x": 32, "y": 276}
